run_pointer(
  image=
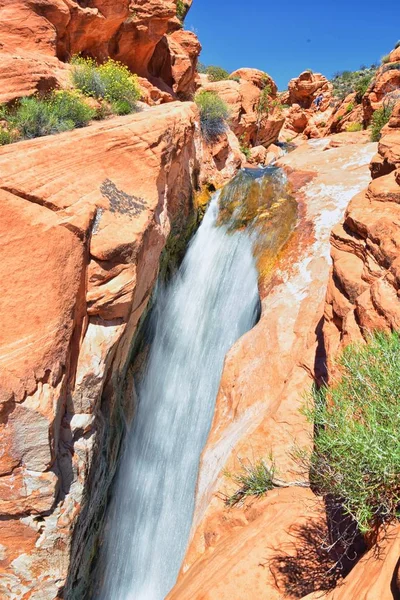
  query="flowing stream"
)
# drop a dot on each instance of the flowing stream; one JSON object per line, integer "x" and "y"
{"x": 211, "y": 301}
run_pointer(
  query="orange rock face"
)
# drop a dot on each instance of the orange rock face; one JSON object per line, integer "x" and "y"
{"x": 306, "y": 87}
{"x": 267, "y": 536}
{"x": 362, "y": 292}
{"x": 375, "y": 576}
{"x": 32, "y": 58}
{"x": 250, "y": 124}
{"x": 82, "y": 234}
{"x": 262, "y": 388}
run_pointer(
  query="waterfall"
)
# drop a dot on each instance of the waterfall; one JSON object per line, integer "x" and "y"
{"x": 211, "y": 301}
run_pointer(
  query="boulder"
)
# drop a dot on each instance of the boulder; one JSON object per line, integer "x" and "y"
{"x": 174, "y": 61}
{"x": 252, "y": 126}
{"x": 307, "y": 86}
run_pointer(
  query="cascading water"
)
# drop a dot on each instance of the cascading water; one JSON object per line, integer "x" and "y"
{"x": 207, "y": 306}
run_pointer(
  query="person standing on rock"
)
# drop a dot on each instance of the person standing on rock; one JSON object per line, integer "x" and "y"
{"x": 318, "y": 101}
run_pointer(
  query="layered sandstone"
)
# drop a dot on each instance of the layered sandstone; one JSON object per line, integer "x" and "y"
{"x": 266, "y": 375}
{"x": 303, "y": 90}
{"x": 82, "y": 234}
{"x": 32, "y": 58}
{"x": 363, "y": 287}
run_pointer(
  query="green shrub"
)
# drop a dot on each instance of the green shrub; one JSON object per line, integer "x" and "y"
{"x": 244, "y": 147}
{"x": 6, "y": 137}
{"x": 213, "y": 115}
{"x": 181, "y": 10}
{"x": 379, "y": 119}
{"x": 349, "y": 107}
{"x": 352, "y": 127}
{"x": 111, "y": 81}
{"x": 385, "y": 59}
{"x": 216, "y": 73}
{"x": 254, "y": 480}
{"x": 356, "y": 457}
{"x": 234, "y": 79}
{"x": 362, "y": 85}
{"x": 61, "y": 111}
{"x": 201, "y": 67}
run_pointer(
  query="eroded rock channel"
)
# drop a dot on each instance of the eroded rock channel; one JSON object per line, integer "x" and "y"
{"x": 210, "y": 302}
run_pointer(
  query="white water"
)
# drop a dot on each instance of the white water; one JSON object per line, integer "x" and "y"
{"x": 208, "y": 305}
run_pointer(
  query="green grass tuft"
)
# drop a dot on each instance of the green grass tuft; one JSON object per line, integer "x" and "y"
{"x": 356, "y": 455}
{"x": 254, "y": 480}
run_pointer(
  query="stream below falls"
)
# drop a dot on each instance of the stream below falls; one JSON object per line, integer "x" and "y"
{"x": 209, "y": 303}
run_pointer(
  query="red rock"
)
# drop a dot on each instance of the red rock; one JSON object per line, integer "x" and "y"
{"x": 376, "y": 576}
{"x": 250, "y": 126}
{"x": 248, "y": 551}
{"x": 82, "y": 234}
{"x": 306, "y": 87}
{"x": 174, "y": 61}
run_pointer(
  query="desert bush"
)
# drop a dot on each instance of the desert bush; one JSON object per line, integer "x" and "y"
{"x": 379, "y": 120}
{"x": 216, "y": 73}
{"x": 352, "y": 127}
{"x": 356, "y": 457}
{"x": 349, "y": 107}
{"x": 346, "y": 82}
{"x": 254, "y": 480}
{"x": 111, "y": 81}
{"x": 181, "y": 10}
{"x": 362, "y": 85}
{"x": 61, "y": 111}
{"x": 385, "y": 59}
{"x": 213, "y": 115}
{"x": 244, "y": 147}
{"x": 6, "y": 137}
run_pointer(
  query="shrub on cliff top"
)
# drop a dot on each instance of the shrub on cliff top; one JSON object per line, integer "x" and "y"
{"x": 379, "y": 120}
{"x": 216, "y": 73}
{"x": 213, "y": 115}
{"x": 111, "y": 81}
{"x": 356, "y": 456}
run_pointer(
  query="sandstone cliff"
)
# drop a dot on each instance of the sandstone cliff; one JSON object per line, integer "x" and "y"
{"x": 82, "y": 236}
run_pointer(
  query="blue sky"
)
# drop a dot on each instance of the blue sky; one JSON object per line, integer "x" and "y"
{"x": 286, "y": 37}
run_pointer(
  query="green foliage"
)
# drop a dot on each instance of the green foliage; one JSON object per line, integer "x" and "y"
{"x": 352, "y": 127}
{"x": 346, "y": 82}
{"x": 61, "y": 111}
{"x": 244, "y": 147}
{"x": 253, "y": 479}
{"x": 181, "y": 10}
{"x": 234, "y": 79}
{"x": 356, "y": 455}
{"x": 6, "y": 137}
{"x": 385, "y": 59}
{"x": 349, "y": 107}
{"x": 213, "y": 115}
{"x": 111, "y": 81}
{"x": 216, "y": 73}
{"x": 362, "y": 85}
{"x": 379, "y": 119}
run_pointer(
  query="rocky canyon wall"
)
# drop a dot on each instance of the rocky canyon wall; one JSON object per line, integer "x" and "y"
{"x": 84, "y": 223}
